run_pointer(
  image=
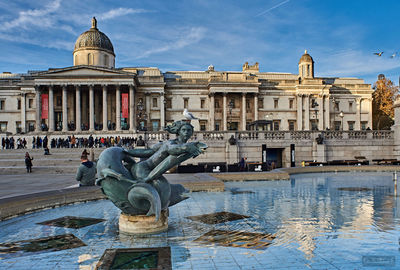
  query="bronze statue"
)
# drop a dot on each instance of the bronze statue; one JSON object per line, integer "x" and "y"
{"x": 139, "y": 188}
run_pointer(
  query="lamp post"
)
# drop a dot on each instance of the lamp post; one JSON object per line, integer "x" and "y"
{"x": 341, "y": 115}
{"x": 140, "y": 115}
{"x": 230, "y": 106}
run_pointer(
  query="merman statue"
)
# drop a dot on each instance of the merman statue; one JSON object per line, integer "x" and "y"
{"x": 139, "y": 188}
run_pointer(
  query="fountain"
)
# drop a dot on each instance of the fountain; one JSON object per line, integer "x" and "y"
{"x": 139, "y": 189}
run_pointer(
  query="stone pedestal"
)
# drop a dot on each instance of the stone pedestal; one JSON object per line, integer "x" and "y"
{"x": 142, "y": 224}
{"x": 319, "y": 152}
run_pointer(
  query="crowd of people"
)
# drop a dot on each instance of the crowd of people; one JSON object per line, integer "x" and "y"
{"x": 11, "y": 143}
{"x": 71, "y": 142}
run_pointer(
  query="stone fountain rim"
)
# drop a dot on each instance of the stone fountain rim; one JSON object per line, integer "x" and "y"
{"x": 24, "y": 204}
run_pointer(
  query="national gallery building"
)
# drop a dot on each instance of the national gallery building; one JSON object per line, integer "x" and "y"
{"x": 94, "y": 96}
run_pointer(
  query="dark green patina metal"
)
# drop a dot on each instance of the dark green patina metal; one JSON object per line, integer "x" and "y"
{"x": 138, "y": 188}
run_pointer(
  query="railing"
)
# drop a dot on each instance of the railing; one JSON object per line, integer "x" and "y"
{"x": 382, "y": 134}
{"x": 281, "y": 135}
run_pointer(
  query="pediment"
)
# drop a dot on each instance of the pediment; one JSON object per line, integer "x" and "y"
{"x": 84, "y": 71}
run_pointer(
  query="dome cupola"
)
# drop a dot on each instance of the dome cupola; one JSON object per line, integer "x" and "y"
{"x": 94, "y": 48}
{"x": 306, "y": 66}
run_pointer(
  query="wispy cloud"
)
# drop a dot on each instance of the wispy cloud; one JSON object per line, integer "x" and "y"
{"x": 117, "y": 12}
{"x": 55, "y": 44}
{"x": 37, "y": 17}
{"x": 195, "y": 35}
{"x": 272, "y": 8}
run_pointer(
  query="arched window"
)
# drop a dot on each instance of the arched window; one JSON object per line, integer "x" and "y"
{"x": 76, "y": 60}
{"x": 308, "y": 71}
{"x": 90, "y": 59}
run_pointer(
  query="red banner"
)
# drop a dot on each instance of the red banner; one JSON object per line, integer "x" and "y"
{"x": 125, "y": 105}
{"x": 45, "y": 106}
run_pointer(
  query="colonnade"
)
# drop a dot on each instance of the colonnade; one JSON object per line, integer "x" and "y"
{"x": 225, "y": 104}
{"x": 80, "y": 103}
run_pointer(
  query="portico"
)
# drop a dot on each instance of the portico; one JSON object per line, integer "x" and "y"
{"x": 77, "y": 100}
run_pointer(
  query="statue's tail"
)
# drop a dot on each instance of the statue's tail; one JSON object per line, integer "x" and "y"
{"x": 145, "y": 197}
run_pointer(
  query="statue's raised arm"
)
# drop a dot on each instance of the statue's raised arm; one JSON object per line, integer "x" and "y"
{"x": 138, "y": 187}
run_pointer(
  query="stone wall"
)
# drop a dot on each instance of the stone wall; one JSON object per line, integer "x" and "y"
{"x": 337, "y": 145}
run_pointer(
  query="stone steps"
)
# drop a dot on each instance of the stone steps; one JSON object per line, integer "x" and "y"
{"x": 61, "y": 160}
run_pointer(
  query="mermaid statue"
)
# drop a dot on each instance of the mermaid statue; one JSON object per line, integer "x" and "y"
{"x": 139, "y": 188}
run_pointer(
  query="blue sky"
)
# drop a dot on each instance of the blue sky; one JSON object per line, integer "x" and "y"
{"x": 341, "y": 36}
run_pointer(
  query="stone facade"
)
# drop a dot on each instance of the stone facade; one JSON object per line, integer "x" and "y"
{"x": 88, "y": 96}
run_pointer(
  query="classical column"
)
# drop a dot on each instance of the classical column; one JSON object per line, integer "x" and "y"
{"x": 38, "y": 100}
{"x": 118, "y": 107}
{"x": 307, "y": 113}
{"x": 77, "y": 108}
{"x": 255, "y": 107}
{"x": 162, "y": 112}
{"x": 64, "y": 109}
{"x": 91, "y": 108}
{"x": 321, "y": 112}
{"x": 51, "y": 108}
{"x": 327, "y": 112}
{"x": 224, "y": 123}
{"x": 105, "y": 112}
{"x": 299, "y": 112}
{"x": 243, "y": 118}
{"x": 358, "y": 114}
{"x": 211, "y": 115}
{"x": 132, "y": 125}
{"x": 369, "y": 112}
{"x": 23, "y": 113}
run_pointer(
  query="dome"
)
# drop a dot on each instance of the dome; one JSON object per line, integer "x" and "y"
{"x": 306, "y": 58}
{"x": 94, "y": 39}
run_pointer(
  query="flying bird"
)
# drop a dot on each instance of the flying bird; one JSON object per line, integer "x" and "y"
{"x": 393, "y": 55}
{"x": 188, "y": 115}
{"x": 378, "y": 53}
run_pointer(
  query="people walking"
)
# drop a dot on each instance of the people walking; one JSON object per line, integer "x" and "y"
{"x": 28, "y": 162}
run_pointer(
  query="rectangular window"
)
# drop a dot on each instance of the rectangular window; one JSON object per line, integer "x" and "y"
{"x": 31, "y": 126}
{"x": 338, "y": 125}
{"x": 364, "y": 125}
{"x": 202, "y": 103}
{"x": 276, "y": 125}
{"x": 292, "y": 125}
{"x": 169, "y": 103}
{"x": 30, "y": 103}
{"x": 185, "y": 103}
{"x": 260, "y": 103}
{"x": 291, "y": 103}
{"x": 19, "y": 104}
{"x": 351, "y": 125}
{"x": 155, "y": 125}
{"x": 2, "y": 104}
{"x": 155, "y": 103}
{"x": 350, "y": 106}
{"x": 203, "y": 125}
{"x": 3, "y": 126}
{"x": 19, "y": 126}
{"x": 275, "y": 103}
{"x": 217, "y": 126}
{"x": 314, "y": 124}
{"x": 216, "y": 104}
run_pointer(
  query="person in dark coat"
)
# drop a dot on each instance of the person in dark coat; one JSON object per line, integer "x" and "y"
{"x": 28, "y": 162}
{"x": 86, "y": 173}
